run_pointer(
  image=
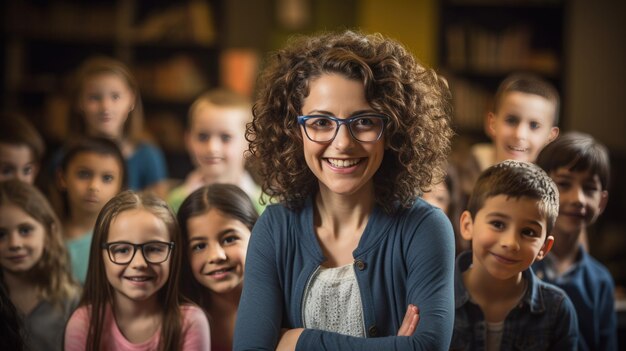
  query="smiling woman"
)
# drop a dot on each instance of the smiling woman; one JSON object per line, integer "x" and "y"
{"x": 348, "y": 129}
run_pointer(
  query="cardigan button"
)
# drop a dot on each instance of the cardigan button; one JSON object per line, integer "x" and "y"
{"x": 360, "y": 264}
{"x": 373, "y": 331}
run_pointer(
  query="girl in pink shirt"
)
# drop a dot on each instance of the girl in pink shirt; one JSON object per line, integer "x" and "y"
{"x": 131, "y": 299}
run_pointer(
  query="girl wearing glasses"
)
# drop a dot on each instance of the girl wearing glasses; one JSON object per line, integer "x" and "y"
{"x": 348, "y": 130}
{"x": 216, "y": 221}
{"x": 131, "y": 298}
{"x": 34, "y": 266}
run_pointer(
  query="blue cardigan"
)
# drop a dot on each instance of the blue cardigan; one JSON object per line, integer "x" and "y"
{"x": 401, "y": 259}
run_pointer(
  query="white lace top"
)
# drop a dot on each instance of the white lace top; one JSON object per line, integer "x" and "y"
{"x": 332, "y": 302}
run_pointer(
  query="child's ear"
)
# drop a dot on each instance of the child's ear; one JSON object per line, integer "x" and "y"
{"x": 547, "y": 246}
{"x": 603, "y": 201}
{"x": 554, "y": 133}
{"x": 466, "y": 225}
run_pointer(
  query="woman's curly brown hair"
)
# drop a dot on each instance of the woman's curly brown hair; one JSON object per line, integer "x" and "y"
{"x": 416, "y": 100}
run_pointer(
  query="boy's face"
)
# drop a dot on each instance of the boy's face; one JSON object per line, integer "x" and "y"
{"x": 522, "y": 126}
{"x": 507, "y": 235}
{"x": 16, "y": 162}
{"x": 216, "y": 142}
{"x": 91, "y": 180}
{"x": 581, "y": 199}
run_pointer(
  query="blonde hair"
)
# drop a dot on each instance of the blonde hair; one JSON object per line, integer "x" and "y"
{"x": 220, "y": 98}
{"x": 51, "y": 273}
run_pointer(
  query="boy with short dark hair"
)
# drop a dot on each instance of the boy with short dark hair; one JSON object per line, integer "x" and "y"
{"x": 580, "y": 167}
{"x": 21, "y": 149}
{"x": 500, "y": 304}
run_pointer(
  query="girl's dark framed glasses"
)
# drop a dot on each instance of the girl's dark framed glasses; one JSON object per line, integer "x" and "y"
{"x": 364, "y": 128}
{"x": 123, "y": 252}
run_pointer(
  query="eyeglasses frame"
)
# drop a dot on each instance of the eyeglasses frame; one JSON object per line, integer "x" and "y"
{"x": 340, "y": 121}
{"x": 106, "y": 246}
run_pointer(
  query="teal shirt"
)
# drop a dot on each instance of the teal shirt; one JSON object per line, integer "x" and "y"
{"x": 78, "y": 250}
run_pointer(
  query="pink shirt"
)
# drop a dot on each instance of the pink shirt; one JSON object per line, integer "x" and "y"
{"x": 195, "y": 333}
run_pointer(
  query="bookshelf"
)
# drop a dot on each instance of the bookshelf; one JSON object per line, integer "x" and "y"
{"x": 171, "y": 47}
{"x": 482, "y": 41}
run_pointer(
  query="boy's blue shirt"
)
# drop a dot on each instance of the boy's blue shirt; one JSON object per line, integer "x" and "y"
{"x": 544, "y": 319}
{"x": 590, "y": 287}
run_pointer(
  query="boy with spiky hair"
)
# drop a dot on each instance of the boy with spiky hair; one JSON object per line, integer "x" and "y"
{"x": 499, "y": 303}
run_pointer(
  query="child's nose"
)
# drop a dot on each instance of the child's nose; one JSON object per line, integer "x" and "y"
{"x": 15, "y": 241}
{"x": 521, "y": 131}
{"x": 213, "y": 144}
{"x": 138, "y": 261}
{"x": 509, "y": 240}
{"x": 216, "y": 254}
{"x": 579, "y": 195}
{"x": 94, "y": 184}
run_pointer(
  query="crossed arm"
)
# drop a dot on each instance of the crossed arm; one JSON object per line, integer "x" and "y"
{"x": 289, "y": 338}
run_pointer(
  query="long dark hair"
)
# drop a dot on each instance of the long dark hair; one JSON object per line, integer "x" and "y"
{"x": 228, "y": 199}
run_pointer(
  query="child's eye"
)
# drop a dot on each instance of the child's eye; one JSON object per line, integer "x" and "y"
{"x": 28, "y": 170}
{"x": 108, "y": 178}
{"x": 198, "y": 247}
{"x": 7, "y": 171}
{"x": 529, "y": 232}
{"x": 589, "y": 190}
{"x": 83, "y": 174}
{"x": 120, "y": 249}
{"x": 203, "y": 137}
{"x": 499, "y": 225}
{"x": 93, "y": 97}
{"x": 24, "y": 229}
{"x": 511, "y": 120}
{"x": 226, "y": 138}
{"x": 116, "y": 96}
{"x": 534, "y": 125}
{"x": 153, "y": 249}
{"x": 3, "y": 233}
{"x": 563, "y": 185}
{"x": 230, "y": 239}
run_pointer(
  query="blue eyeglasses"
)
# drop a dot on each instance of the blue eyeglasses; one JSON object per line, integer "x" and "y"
{"x": 365, "y": 128}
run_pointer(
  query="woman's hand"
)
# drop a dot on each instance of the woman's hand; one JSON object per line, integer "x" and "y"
{"x": 411, "y": 319}
{"x": 289, "y": 337}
